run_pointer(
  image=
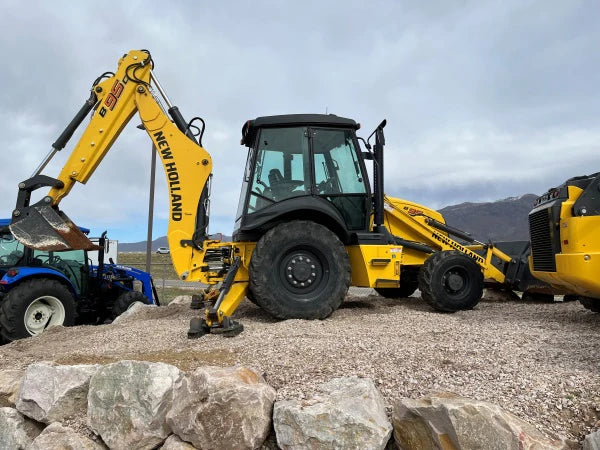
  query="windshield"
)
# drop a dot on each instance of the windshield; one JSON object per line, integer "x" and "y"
{"x": 282, "y": 169}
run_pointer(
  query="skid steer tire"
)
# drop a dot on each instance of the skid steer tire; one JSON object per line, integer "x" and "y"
{"x": 593, "y": 304}
{"x": 409, "y": 283}
{"x": 451, "y": 281}
{"x": 299, "y": 270}
{"x": 125, "y": 300}
{"x": 29, "y": 308}
{"x": 537, "y": 297}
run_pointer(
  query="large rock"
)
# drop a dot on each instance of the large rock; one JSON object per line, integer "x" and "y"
{"x": 348, "y": 413}
{"x": 16, "y": 430}
{"x": 185, "y": 300}
{"x": 10, "y": 383}
{"x": 58, "y": 436}
{"x": 128, "y": 402}
{"x": 447, "y": 421}
{"x": 592, "y": 441}
{"x": 173, "y": 442}
{"x": 53, "y": 393}
{"x": 222, "y": 408}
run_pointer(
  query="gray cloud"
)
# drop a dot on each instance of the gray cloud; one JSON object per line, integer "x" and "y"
{"x": 484, "y": 100}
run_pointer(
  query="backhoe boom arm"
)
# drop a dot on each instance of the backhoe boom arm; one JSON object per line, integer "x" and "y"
{"x": 186, "y": 164}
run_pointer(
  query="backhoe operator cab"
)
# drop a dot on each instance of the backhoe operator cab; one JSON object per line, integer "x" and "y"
{"x": 303, "y": 166}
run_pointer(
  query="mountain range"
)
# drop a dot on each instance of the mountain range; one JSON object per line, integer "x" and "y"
{"x": 502, "y": 220}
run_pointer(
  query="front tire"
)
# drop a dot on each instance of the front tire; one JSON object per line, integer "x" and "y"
{"x": 125, "y": 300}
{"x": 31, "y": 307}
{"x": 299, "y": 270}
{"x": 451, "y": 281}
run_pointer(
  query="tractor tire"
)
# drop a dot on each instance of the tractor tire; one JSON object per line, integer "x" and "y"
{"x": 299, "y": 270}
{"x": 451, "y": 281}
{"x": 409, "y": 283}
{"x": 593, "y": 304}
{"x": 34, "y": 305}
{"x": 125, "y": 300}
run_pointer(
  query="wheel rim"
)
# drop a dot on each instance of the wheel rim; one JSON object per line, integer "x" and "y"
{"x": 303, "y": 272}
{"x": 43, "y": 312}
{"x": 456, "y": 282}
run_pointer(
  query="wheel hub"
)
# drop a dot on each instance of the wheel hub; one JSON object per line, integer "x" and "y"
{"x": 43, "y": 312}
{"x": 454, "y": 282}
{"x": 301, "y": 270}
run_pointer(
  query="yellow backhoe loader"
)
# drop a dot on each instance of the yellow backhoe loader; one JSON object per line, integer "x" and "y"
{"x": 308, "y": 224}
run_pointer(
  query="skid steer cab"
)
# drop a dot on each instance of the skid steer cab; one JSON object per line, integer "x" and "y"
{"x": 39, "y": 289}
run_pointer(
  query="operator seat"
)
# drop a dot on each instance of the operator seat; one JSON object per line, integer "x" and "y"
{"x": 276, "y": 184}
{"x": 275, "y": 178}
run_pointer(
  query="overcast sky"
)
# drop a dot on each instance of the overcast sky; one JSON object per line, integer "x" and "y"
{"x": 484, "y": 100}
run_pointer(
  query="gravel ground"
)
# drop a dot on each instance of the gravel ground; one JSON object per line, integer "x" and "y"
{"x": 540, "y": 361}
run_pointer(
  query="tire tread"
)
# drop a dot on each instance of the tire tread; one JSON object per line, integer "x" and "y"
{"x": 261, "y": 264}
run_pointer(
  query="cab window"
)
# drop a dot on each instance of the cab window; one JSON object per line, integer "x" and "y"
{"x": 281, "y": 170}
{"x": 11, "y": 250}
{"x": 337, "y": 170}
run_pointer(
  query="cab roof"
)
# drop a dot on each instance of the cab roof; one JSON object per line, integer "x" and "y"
{"x": 323, "y": 120}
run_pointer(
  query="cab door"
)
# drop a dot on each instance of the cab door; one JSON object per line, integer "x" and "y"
{"x": 339, "y": 175}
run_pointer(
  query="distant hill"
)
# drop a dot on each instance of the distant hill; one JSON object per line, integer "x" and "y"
{"x": 502, "y": 220}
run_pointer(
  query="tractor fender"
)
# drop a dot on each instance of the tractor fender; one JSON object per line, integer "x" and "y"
{"x": 27, "y": 273}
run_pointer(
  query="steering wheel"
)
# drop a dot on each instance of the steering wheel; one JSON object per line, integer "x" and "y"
{"x": 54, "y": 259}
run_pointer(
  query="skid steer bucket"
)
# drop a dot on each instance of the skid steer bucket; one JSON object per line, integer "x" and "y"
{"x": 44, "y": 227}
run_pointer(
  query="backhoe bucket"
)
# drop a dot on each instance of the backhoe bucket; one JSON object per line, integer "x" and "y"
{"x": 43, "y": 227}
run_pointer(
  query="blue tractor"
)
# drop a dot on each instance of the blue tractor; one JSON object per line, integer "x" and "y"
{"x": 43, "y": 288}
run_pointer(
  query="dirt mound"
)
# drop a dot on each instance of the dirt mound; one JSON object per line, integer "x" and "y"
{"x": 538, "y": 361}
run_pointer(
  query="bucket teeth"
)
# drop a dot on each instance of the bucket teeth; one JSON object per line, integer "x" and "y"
{"x": 43, "y": 227}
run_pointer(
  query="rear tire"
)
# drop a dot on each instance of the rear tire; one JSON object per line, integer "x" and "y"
{"x": 125, "y": 300}
{"x": 34, "y": 305}
{"x": 299, "y": 270}
{"x": 451, "y": 281}
{"x": 593, "y": 304}
{"x": 409, "y": 282}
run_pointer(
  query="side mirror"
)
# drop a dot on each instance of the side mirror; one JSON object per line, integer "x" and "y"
{"x": 367, "y": 155}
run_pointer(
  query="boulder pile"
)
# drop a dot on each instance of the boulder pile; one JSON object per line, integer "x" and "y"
{"x": 147, "y": 405}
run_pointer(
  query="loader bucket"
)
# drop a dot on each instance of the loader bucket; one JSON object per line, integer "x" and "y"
{"x": 44, "y": 227}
